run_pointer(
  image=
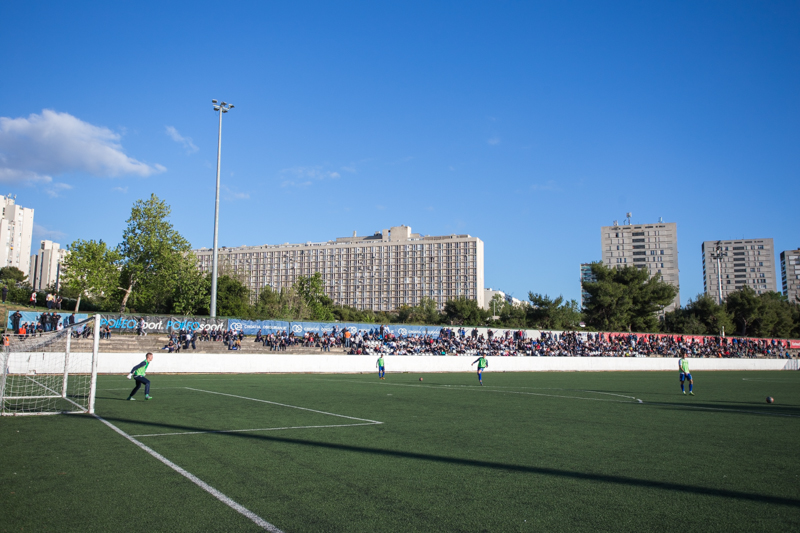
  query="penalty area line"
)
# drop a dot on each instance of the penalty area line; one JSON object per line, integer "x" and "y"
{"x": 490, "y": 389}
{"x": 287, "y": 405}
{"x": 197, "y": 481}
{"x": 253, "y": 430}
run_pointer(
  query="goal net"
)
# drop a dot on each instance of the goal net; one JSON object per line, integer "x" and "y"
{"x": 42, "y": 376}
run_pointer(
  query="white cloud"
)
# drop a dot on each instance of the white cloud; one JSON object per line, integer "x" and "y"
{"x": 48, "y": 234}
{"x": 494, "y": 141}
{"x": 185, "y": 141}
{"x": 304, "y": 176}
{"x": 229, "y": 194}
{"x": 35, "y": 148}
{"x": 123, "y": 190}
{"x": 56, "y": 188}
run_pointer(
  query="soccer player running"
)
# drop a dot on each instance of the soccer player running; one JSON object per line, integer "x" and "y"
{"x": 137, "y": 373}
{"x": 381, "y": 368}
{"x": 482, "y": 364}
{"x": 683, "y": 367}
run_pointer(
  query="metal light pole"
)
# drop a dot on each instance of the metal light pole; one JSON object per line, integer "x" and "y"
{"x": 222, "y": 107}
{"x": 718, "y": 254}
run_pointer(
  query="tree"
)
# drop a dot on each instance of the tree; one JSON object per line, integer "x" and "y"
{"x": 547, "y": 313}
{"x": 233, "y": 297}
{"x": 192, "y": 289}
{"x": 701, "y": 316}
{"x": 91, "y": 269}
{"x": 153, "y": 255}
{"x": 464, "y": 310}
{"x": 744, "y": 308}
{"x": 312, "y": 291}
{"x": 11, "y": 274}
{"x": 626, "y": 299}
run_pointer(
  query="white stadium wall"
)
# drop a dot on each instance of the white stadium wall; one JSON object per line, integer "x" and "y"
{"x": 232, "y": 362}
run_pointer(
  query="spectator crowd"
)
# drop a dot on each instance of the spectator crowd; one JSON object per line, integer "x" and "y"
{"x": 447, "y": 341}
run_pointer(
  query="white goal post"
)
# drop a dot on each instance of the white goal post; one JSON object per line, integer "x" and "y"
{"x": 42, "y": 376}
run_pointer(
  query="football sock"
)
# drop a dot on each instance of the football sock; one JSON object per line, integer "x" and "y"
{"x": 691, "y": 385}
{"x": 682, "y": 388}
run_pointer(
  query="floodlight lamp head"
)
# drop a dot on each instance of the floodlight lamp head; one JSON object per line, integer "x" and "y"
{"x": 213, "y": 101}
{"x": 230, "y": 106}
{"x": 216, "y": 108}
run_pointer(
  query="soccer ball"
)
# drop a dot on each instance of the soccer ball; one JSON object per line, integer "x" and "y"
{"x": 420, "y": 379}
{"x": 770, "y": 399}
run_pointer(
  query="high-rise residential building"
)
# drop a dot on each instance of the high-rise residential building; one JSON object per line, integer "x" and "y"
{"x": 586, "y": 276}
{"x": 381, "y": 272}
{"x": 742, "y": 262}
{"x": 790, "y": 272}
{"x": 489, "y": 294}
{"x": 653, "y": 247}
{"x": 46, "y": 265}
{"x": 16, "y": 232}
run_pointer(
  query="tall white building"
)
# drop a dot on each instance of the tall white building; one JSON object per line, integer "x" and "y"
{"x": 790, "y": 273}
{"x": 16, "y": 232}
{"x": 46, "y": 265}
{"x": 381, "y": 272}
{"x": 653, "y": 247}
{"x": 742, "y": 262}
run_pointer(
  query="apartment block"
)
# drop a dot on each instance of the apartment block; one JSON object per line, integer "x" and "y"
{"x": 46, "y": 265}
{"x": 653, "y": 247}
{"x": 489, "y": 294}
{"x": 586, "y": 277}
{"x": 742, "y": 262}
{"x": 16, "y": 232}
{"x": 790, "y": 274}
{"x": 381, "y": 272}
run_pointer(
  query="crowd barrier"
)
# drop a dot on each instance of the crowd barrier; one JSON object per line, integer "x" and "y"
{"x": 121, "y": 363}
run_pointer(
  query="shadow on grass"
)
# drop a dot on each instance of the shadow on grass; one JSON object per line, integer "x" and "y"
{"x": 735, "y": 409}
{"x": 458, "y": 461}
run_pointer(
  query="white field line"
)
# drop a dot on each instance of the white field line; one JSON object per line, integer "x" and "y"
{"x": 770, "y": 380}
{"x": 638, "y": 401}
{"x": 253, "y": 430}
{"x": 286, "y": 405}
{"x": 489, "y": 389}
{"x": 197, "y": 481}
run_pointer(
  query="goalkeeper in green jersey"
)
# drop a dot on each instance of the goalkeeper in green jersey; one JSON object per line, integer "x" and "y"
{"x": 482, "y": 364}
{"x": 138, "y": 374}
{"x": 683, "y": 367}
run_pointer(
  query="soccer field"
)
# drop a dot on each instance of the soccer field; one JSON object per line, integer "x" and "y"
{"x": 525, "y": 452}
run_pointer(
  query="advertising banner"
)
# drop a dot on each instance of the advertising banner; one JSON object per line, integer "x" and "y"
{"x": 32, "y": 317}
{"x": 161, "y": 324}
{"x": 251, "y": 327}
{"x": 794, "y": 344}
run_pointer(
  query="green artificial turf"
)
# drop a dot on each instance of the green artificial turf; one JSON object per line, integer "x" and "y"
{"x": 525, "y": 452}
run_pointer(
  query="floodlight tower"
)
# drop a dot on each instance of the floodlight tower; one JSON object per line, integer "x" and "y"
{"x": 718, "y": 254}
{"x": 221, "y": 107}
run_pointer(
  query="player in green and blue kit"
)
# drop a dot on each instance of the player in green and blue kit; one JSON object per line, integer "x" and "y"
{"x": 138, "y": 374}
{"x": 482, "y": 364}
{"x": 683, "y": 367}
{"x": 381, "y": 371}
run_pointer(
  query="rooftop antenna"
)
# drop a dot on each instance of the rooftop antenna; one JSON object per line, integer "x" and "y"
{"x": 660, "y": 220}
{"x": 628, "y": 219}
{"x": 616, "y": 223}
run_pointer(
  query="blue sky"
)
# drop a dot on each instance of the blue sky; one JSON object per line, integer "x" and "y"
{"x": 526, "y": 124}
